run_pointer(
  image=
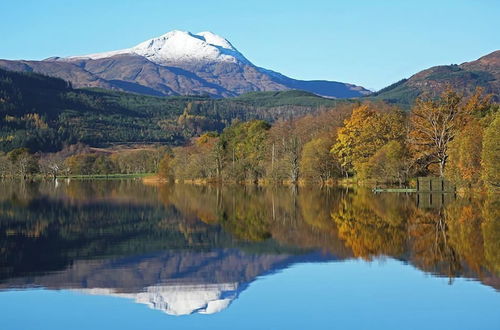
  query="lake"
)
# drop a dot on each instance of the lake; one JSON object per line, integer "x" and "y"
{"x": 119, "y": 254}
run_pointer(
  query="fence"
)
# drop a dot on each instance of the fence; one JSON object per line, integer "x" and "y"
{"x": 434, "y": 184}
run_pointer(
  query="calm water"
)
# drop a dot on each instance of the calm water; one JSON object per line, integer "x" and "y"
{"x": 120, "y": 254}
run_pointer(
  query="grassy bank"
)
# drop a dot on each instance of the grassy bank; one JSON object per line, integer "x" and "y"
{"x": 103, "y": 176}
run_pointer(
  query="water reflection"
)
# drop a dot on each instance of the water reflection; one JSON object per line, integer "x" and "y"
{"x": 191, "y": 249}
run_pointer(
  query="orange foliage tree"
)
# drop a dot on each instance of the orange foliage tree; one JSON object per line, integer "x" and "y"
{"x": 370, "y": 127}
{"x": 434, "y": 123}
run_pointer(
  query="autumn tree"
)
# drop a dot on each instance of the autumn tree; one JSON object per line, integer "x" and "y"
{"x": 287, "y": 138}
{"x": 435, "y": 123}
{"x": 24, "y": 163}
{"x": 389, "y": 164}
{"x": 317, "y": 162}
{"x": 201, "y": 159}
{"x": 212, "y": 157}
{"x": 292, "y": 148}
{"x": 285, "y": 145}
{"x": 464, "y": 161}
{"x": 89, "y": 164}
{"x": 53, "y": 164}
{"x": 369, "y": 128}
{"x": 491, "y": 154}
{"x": 79, "y": 164}
{"x": 6, "y": 166}
{"x": 165, "y": 167}
{"x": 103, "y": 165}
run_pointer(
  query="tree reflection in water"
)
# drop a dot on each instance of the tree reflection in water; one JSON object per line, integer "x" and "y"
{"x": 102, "y": 234}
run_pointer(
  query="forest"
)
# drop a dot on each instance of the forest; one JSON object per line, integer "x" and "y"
{"x": 271, "y": 137}
{"x": 45, "y": 114}
{"x": 451, "y": 136}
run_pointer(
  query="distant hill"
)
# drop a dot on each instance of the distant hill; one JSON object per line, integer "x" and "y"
{"x": 177, "y": 63}
{"x": 44, "y": 113}
{"x": 484, "y": 72}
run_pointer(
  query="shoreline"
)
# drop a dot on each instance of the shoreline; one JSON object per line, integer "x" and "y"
{"x": 155, "y": 180}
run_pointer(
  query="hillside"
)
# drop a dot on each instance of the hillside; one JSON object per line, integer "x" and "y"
{"x": 484, "y": 72}
{"x": 44, "y": 113}
{"x": 177, "y": 63}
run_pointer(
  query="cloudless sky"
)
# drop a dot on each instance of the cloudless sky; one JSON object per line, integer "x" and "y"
{"x": 370, "y": 43}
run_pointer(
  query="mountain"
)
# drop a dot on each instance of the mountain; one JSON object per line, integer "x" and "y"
{"x": 484, "y": 72}
{"x": 177, "y": 63}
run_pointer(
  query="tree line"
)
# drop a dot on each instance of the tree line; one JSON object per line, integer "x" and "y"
{"x": 451, "y": 136}
{"x": 80, "y": 159}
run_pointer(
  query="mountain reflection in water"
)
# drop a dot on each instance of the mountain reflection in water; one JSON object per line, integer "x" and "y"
{"x": 190, "y": 249}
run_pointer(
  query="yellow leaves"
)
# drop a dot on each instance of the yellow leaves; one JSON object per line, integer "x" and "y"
{"x": 206, "y": 138}
{"x": 435, "y": 123}
{"x": 388, "y": 164}
{"x": 464, "y": 163}
{"x": 165, "y": 167}
{"x": 371, "y": 226}
{"x": 9, "y": 119}
{"x": 490, "y": 157}
{"x": 478, "y": 102}
{"x": 491, "y": 231}
{"x": 367, "y": 130}
{"x": 7, "y": 138}
{"x": 37, "y": 121}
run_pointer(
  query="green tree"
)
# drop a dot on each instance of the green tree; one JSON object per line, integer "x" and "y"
{"x": 316, "y": 160}
{"x": 244, "y": 146}
{"x": 389, "y": 163}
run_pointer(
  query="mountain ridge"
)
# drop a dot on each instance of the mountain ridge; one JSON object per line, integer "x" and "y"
{"x": 178, "y": 63}
{"x": 465, "y": 78}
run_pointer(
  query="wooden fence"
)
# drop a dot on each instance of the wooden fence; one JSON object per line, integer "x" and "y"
{"x": 434, "y": 184}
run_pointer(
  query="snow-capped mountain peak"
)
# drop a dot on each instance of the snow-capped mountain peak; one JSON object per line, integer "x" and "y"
{"x": 177, "y": 47}
{"x": 179, "y": 63}
{"x": 215, "y": 40}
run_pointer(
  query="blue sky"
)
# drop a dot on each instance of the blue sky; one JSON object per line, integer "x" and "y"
{"x": 336, "y": 295}
{"x": 370, "y": 43}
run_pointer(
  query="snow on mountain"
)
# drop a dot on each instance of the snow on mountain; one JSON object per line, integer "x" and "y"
{"x": 179, "y": 299}
{"x": 178, "y": 47}
{"x": 178, "y": 63}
